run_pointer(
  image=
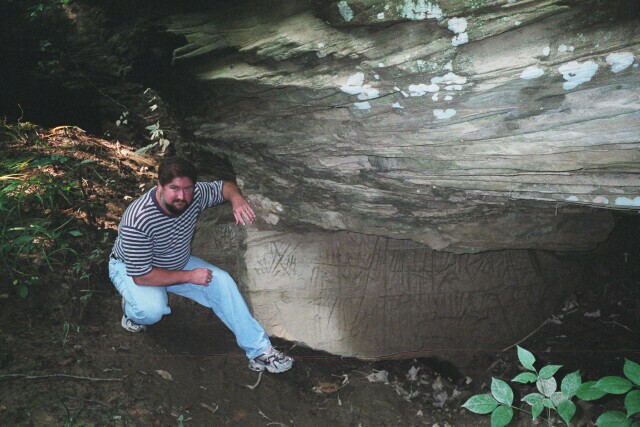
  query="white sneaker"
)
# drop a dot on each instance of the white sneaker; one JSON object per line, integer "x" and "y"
{"x": 272, "y": 360}
{"x": 132, "y": 326}
{"x": 129, "y": 324}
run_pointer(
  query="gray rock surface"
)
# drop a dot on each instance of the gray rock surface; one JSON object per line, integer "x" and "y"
{"x": 465, "y": 126}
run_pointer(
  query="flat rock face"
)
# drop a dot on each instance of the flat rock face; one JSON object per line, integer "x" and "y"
{"x": 371, "y": 296}
{"x": 464, "y": 126}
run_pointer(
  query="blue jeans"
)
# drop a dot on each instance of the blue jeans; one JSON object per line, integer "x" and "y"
{"x": 147, "y": 304}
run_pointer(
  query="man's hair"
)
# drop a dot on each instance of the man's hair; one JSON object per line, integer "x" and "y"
{"x": 176, "y": 167}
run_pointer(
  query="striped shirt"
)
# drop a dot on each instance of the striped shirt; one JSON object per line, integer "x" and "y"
{"x": 149, "y": 237}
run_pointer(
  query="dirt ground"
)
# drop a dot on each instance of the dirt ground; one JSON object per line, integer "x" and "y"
{"x": 65, "y": 360}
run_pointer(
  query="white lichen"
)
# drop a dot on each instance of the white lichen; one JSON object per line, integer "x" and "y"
{"x": 546, "y": 51}
{"x": 601, "y": 200}
{"x": 619, "y": 61}
{"x": 448, "y": 79}
{"x": 627, "y": 201}
{"x": 532, "y": 72}
{"x": 444, "y": 114}
{"x": 345, "y": 10}
{"x": 457, "y": 25}
{"x": 362, "y": 105}
{"x": 397, "y": 105}
{"x": 459, "y": 39}
{"x": 380, "y": 15}
{"x": 576, "y": 73}
{"x": 421, "y": 89}
{"x": 563, "y": 48}
{"x": 418, "y": 10}
{"x": 355, "y": 86}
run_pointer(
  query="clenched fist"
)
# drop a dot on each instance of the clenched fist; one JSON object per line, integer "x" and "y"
{"x": 201, "y": 276}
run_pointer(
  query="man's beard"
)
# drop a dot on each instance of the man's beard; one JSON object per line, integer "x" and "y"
{"x": 174, "y": 210}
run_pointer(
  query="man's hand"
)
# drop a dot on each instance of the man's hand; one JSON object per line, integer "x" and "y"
{"x": 242, "y": 211}
{"x": 200, "y": 276}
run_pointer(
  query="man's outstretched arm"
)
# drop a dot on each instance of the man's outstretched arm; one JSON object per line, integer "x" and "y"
{"x": 163, "y": 277}
{"x": 242, "y": 211}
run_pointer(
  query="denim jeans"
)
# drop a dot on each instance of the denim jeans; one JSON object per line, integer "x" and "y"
{"x": 147, "y": 304}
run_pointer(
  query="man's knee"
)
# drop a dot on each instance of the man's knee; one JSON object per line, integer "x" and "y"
{"x": 224, "y": 280}
{"x": 147, "y": 313}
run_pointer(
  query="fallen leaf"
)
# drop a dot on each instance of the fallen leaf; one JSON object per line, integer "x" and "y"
{"x": 413, "y": 374}
{"x": 379, "y": 377}
{"x": 326, "y": 388}
{"x": 164, "y": 374}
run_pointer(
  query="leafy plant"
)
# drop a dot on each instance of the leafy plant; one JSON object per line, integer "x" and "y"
{"x": 499, "y": 403}
{"x": 33, "y": 233}
{"x": 44, "y": 7}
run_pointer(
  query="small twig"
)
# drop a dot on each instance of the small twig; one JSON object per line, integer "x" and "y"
{"x": 75, "y": 377}
{"x": 272, "y": 423}
{"x": 525, "y": 338}
{"x": 619, "y": 324}
{"x": 253, "y": 387}
{"x": 213, "y": 410}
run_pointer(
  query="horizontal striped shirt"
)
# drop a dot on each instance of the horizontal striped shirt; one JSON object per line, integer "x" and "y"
{"x": 149, "y": 237}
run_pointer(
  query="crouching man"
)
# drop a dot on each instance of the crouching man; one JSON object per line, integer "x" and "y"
{"x": 152, "y": 256}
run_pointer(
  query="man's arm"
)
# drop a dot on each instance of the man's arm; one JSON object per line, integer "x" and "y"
{"x": 242, "y": 211}
{"x": 163, "y": 277}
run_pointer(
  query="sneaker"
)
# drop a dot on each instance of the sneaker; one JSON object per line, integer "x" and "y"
{"x": 132, "y": 326}
{"x": 129, "y": 324}
{"x": 272, "y": 360}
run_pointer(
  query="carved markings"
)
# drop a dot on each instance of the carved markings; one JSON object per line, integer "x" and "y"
{"x": 387, "y": 291}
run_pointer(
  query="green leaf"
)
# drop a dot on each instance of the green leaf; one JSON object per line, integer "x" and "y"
{"x": 614, "y": 385}
{"x": 547, "y": 386}
{"x": 481, "y": 404}
{"x": 613, "y": 419}
{"x": 548, "y": 371}
{"x": 570, "y": 384}
{"x": 501, "y": 416}
{"x": 632, "y": 371}
{"x": 548, "y": 403}
{"x": 557, "y": 397}
{"x": 526, "y": 358}
{"x": 537, "y": 409}
{"x": 22, "y": 291}
{"x": 525, "y": 377}
{"x": 501, "y": 391}
{"x": 533, "y": 398}
{"x": 75, "y": 233}
{"x": 588, "y": 391}
{"x": 144, "y": 149}
{"x": 632, "y": 403}
{"x": 567, "y": 410}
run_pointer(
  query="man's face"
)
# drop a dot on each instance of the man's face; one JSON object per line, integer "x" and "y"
{"x": 176, "y": 196}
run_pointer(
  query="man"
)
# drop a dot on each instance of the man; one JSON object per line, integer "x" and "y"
{"x": 152, "y": 256}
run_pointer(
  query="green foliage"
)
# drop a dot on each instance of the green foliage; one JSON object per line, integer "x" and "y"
{"x": 499, "y": 403}
{"x": 44, "y": 8}
{"x": 34, "y": 234}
